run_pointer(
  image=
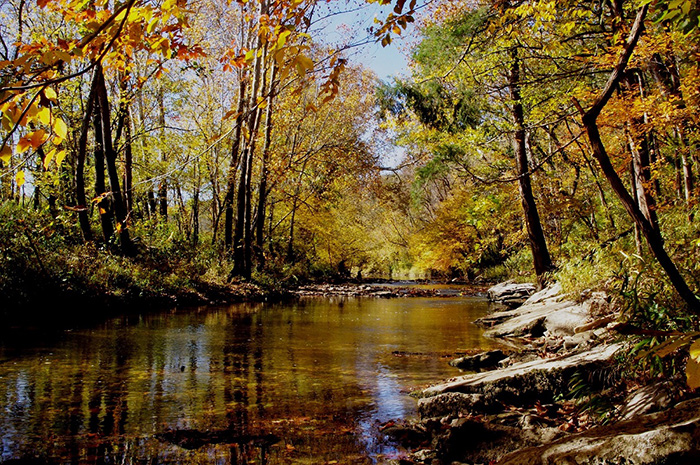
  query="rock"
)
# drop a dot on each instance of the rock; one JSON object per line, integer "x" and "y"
{"x": 578, "y": 340}
{"x": 408, "y": 436}
{"x": 423, "y": 455}
{"x": 548, "y": 293}
{"x": 647, "y": 399}
{"x": 511, "y": 294}
{"x": 475, "y": 441}
{"x": 480, "y": 361}
{"x": 384, "y": 294}
{"x": 504, "y": 363}
{"x": 544, "y": 312}
{"x": 670, "y": 437}
{"x": 452, "y": 403}
{"x": 518, "y": 384}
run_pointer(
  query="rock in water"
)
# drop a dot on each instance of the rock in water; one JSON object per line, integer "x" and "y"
{"x": 484, "y": 360}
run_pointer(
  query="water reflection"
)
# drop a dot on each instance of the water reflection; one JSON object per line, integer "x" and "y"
{"x": 318, "y": 374}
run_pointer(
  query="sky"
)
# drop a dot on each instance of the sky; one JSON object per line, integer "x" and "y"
{"x": 343, "y": 22}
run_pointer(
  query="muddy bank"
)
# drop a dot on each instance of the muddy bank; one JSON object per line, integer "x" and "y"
{"x": 554, "y": 394}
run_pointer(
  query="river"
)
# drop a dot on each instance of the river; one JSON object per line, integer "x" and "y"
{"x": 321, "y": 374}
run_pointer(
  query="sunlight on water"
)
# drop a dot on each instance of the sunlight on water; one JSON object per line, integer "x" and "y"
{"x": 321, "y": 375}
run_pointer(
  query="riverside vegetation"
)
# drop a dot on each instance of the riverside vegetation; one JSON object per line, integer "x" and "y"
{"x": 187, "y": 152}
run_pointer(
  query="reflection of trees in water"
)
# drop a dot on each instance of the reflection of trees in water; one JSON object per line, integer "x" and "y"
{"x": 236, "y": 367}
{"x": 295, "y": 371}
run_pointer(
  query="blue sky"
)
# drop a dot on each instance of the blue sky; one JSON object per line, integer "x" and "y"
{"x": 341, "y": 22}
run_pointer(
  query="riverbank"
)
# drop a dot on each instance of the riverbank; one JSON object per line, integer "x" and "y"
{"x": 559, "y": 392}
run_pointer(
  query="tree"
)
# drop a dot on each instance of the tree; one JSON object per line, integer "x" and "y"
{"x": 589, "y": 119}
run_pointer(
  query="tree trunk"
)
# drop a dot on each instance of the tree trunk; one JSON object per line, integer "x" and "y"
{"x": 82, "y": 205}
{"x": 128, "y": 167}
{"x": 103, "y": 204}
{"x": 538, "y": 243}
{"x": 241, "y": 238}
{"x": 262, "y": 189}
{"x": 233, "y": 165}
{"x": 163, "y": 183}
{"x": 641, "y": 157}
{"x": 124, "y": 127}
{"x": 152, "y": 204}
{"x": 667, "y": 79}
{"x": 111, "y": 162}
{"x": 195, "y": 217}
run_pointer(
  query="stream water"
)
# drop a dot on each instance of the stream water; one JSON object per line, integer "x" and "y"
{"x": 319, "y": 374}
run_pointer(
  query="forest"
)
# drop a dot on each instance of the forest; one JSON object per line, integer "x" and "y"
{"x": 149, "y": 147}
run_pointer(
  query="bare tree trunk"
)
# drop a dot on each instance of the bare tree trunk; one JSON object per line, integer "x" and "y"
{"x": 103, "y": 204}
{"x": 128, "y": 167}
{"x": 124, "y": 127}
{"x": 111, "y": 162}
{"x": 668, "y": 80}
{"x": 538, "y": 243}
{"x": 163, "y": 183}
{"x": 641, "y": 157}
{"x": 151, "y": 203}
{"x": 262, "y": 189}
{"x": 233, "y": 165}
{"x": 82, "y": 205}
{"x": 195, "y": 209}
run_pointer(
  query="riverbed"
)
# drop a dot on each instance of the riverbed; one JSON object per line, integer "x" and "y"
{"x": 317, "y": 375}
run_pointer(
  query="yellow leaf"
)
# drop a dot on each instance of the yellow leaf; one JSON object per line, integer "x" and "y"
{"x": 152, "y": 25}
{"x": 279, "y": 56}
{"x": 19, "y": 178}
{"x": 60, "y": 128}
{"x": 50, "y": 94}
{"x": 60, "y": 156}
{"x": 45, "y": 115}
{"x": 6, "y": 154}
{"x": 692, "y": 369}
{"x": 33, "y": 111}
{"x": 282, "y": 39}
{"x": 47, "y": 159}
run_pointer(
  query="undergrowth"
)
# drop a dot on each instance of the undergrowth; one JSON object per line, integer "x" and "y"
{"x": 43, "y": 262}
